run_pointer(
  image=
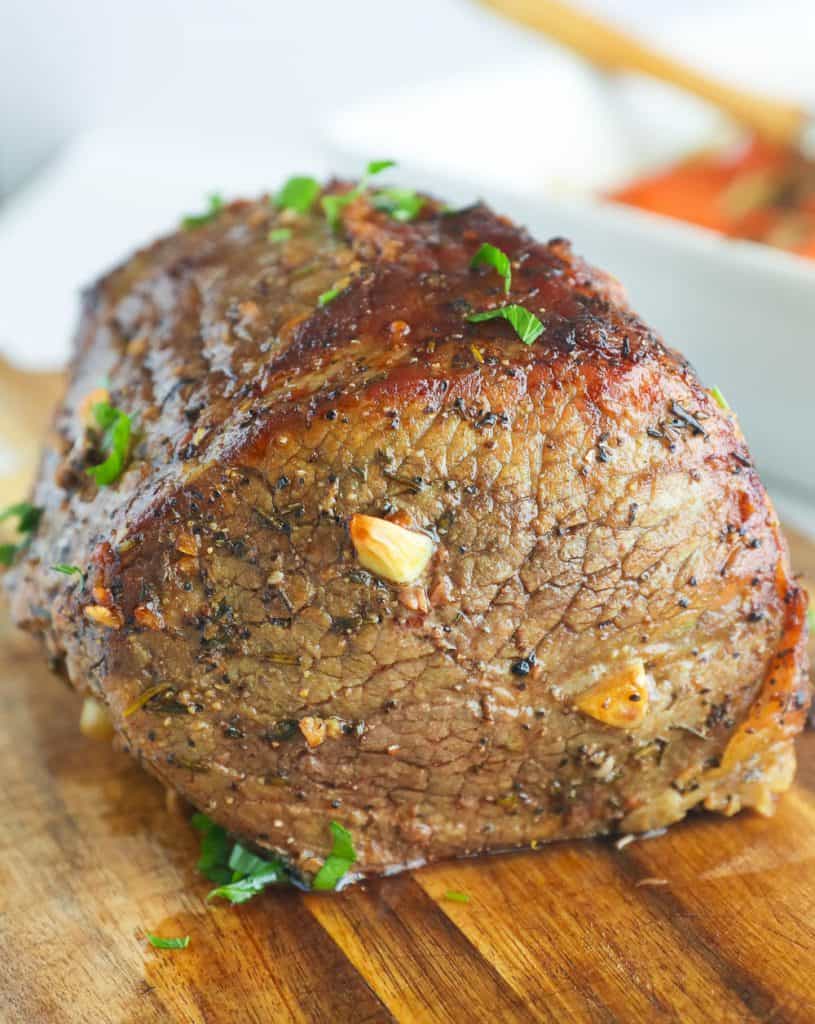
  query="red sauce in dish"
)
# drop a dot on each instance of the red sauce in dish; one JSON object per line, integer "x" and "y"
{"x": 755, "y": 190}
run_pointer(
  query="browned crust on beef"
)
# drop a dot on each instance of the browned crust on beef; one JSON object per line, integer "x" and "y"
{"x": 590, "y": 501}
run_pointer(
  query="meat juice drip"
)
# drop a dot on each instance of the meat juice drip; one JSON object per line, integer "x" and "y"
{"x": 754, "y": 190}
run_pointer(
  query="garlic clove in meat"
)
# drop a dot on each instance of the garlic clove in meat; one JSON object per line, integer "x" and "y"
{"x": 94, "y": 721}
{"x": 619, "y": 699}
{"x": 389, "y": 550}
{"x": 313, "y": 730}
{"x": 110, "y": 618}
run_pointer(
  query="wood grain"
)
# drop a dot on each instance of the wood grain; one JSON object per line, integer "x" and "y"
{"x": 712, "y": 922}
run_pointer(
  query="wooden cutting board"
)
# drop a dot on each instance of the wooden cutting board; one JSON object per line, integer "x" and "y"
{"x": 712, "y": 922}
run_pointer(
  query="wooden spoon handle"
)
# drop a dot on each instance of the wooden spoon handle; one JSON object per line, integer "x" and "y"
{"x": 614, "y": 50}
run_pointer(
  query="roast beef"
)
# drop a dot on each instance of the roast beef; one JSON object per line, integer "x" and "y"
{"x": 372, "y": 561}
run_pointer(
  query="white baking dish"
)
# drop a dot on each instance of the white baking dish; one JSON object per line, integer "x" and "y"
{"x": 544, "y": 138}
{"x": 744, "y": 314}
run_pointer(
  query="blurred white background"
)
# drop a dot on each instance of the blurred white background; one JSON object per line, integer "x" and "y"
{"x": 268, "y": 69}
{"x": 117, "y": 118}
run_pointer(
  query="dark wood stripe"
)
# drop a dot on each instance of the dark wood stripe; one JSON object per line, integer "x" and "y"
{"x": 567, "y": 929}
{"x": 267, "y": 960}
{"x": 332, "y": 988}
{"x": 761, "y": 1004}
{"x": 491, "y": 882}
{"x": 414, "y": 956}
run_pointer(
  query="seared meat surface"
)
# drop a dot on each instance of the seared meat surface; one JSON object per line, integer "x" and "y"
{"x": 598, "y": 630}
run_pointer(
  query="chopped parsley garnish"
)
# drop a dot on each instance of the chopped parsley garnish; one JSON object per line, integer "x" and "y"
{"x": 298, "y": 194}
{"x": 245, "y": 886}
{"x": 328, "y": 296}
{"x": 160, "y": 943}
{"x": 7, "y": 553}
{"x": 375, "y": 166}
{"x": 214, "y": 860}
{"x": 334, "y": 205}
{"x": 28, "y": 519}
{"x": 116, "y": 429}
{"x": 490, "y": 256}
{"x": 338, "y": 862}
{"x": 279, "y": 235}
{"x": 457, "y": 897}
{"x": 244, "y": 861}
{"x": 198, "y": 220}
{"x": 527, "y": 326}
{"x": 400, "y": 203}
{"x": 240, "y": 874}
{"x": 719, "y": 399}
{"x": 69, "y": 570}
